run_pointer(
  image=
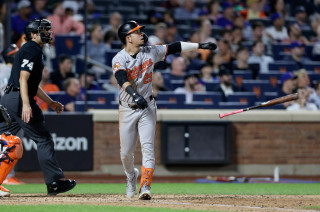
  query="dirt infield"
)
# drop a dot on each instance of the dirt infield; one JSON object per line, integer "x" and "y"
{"x": 197, "y": 202}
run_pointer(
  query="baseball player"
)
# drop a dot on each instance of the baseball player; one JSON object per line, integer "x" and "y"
{"x": 23, "y": 86}
{"x": 133, "y": 68}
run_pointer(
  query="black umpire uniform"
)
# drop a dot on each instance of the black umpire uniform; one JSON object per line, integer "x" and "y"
{"x": 30, "y": 58}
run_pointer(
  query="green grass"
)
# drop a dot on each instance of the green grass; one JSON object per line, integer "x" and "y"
{"x": 185, "y": 188}
{"x": 83, "y": 208}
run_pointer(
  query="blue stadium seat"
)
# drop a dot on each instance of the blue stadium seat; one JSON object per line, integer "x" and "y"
{"x": 233, "y": 105}
{"x": 109, "y": 55}
{"x": 238, "y": 76}
{"x": 201, "y": 105}
{"x": 274, "y": 78}
{"x": 56, "y": 95}
{"x": 283, "y": 66}
{"x": 243, "y": 97}
{"x": 67, "y": 44}
{"x": 212, "y": 86}
{"x": 258, "y": 87}
{"x": 278, "y": 49}
{"x": 176, "y": 84}
{"x": 312, "y": 66}
{"x": 79, "y": 106}
{"x": 314, "y": 76}
{"x": 170, "y": 96}
{"x": 116, "y": 44}
{"x": 210, "y": 97}
{"x": 104, "y": 97}
{"x": 163, "y": 104}
{"x": 270, "y": 95}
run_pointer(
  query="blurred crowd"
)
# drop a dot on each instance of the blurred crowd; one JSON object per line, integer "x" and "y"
{"x": 246, "y": 32}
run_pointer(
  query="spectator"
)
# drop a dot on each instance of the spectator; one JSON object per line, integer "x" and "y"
{"x": 214, "y": 11}
{"x": 172, "y": 33}
{"x": 297, "y": 52}
{"x": 170, "y": 4}
{"x": 187, "y": 12}
{"x": 288, "y": 86}
{"x": 168, "y": 17}
{"x": 47, "y": 87}
{"x": 96, "y": 49}
{"x": 245, "y": 27}
{"x": 226, "y": 21}
{"x": 206, "y": 74}
{"x": 92, "y": 12}
{"x": 157, "y": 83}
{"x": 72, "y": 88}
{"x": 205, "y": 32}
{"x": 159, "y": 36}
{"x": 19, "y": 20}
{"x": 278, "y": 32}
{"x": 302, "y": 102}
{"x": 8, "y": 55}
{"x": 191, "y": 85}
{"x": 254, "y": 10}
{"x": 226, "y": 34}
{"x": 295, "y": 34}
{"x": 192, "y": 60}
{"x": 108, "y": 38}
{"x": 90, "y": 84}
{"x": 62, "y": 23}
{"x": 303, "y": 81}
{"x": 178, "y": 68}
{"x": 114, "y": 22}
{"x": 277, "y": 6}
{"x": 226, "y": 86}
{"x": 301, "y": 17}
{"x": 64, "y": 72}
{"x": 316, "y": 45}
{"x": 112, "y": 86}
{"x": 215, "y": 61}
{"x": 317, "y": 88}
{"x": 224, "y": 49}
{"x": 39, "y": 9}
{"x": 258, "y": 57}
{"x": 241, "y": 63}
{"x": 257, "y": 31}
{"x": 154, "y": 17}
{"x": 237, "y": 38}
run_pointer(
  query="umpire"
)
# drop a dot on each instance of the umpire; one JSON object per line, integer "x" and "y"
{"x": 23, "y": 86}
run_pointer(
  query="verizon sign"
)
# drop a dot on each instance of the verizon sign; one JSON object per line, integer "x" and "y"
{"x": 72, "y": 135}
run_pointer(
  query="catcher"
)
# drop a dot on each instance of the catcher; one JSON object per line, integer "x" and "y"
{"x": 11, "y": 150}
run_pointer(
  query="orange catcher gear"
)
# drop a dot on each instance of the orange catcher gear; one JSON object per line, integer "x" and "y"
{"x": 11, "y": 150}
{"x": 146, "y": 177}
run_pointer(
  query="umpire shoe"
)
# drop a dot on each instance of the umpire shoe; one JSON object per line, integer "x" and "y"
{"x": 4, "y": 192}
{"x": 132, "y": 184}
{"x": 145, "y": 193}
{"x": 60, "y": 186}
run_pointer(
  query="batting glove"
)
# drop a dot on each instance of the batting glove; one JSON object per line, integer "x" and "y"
{"x": 140, "y": 101}
{"x": 209, "y": 45}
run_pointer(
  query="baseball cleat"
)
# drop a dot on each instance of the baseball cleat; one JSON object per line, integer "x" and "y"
{"x": 60, "y": 186}
{"x": 12, "y": 181}
{"x": 4, "y": 192}
{"x": 145, "y": 193}
{"x": 132, "y": 184}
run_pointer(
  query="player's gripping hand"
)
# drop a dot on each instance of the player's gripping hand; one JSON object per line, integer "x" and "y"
{"x": 140, "y": 101}
{"x": 208, "y": 45}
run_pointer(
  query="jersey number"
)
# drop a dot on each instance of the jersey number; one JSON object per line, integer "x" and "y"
{"x": 26, "y": 62}
{"x": 147, "y": 78}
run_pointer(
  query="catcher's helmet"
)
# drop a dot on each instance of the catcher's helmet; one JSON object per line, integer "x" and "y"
{"x": 39, "y": 26}
{"x": 126, "y": 29}
{"x": 9, "y": 53}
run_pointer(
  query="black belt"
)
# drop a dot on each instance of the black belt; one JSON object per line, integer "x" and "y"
{"x": 10, "y": 88}
{"x": 133, "y": 106}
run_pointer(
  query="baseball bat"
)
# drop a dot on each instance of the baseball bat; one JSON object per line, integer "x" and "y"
{"x": 271, "y": 102}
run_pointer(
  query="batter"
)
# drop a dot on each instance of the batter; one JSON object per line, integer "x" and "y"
{"x": 133, "y": 68}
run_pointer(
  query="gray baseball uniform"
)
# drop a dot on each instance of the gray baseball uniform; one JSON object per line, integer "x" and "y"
{"x": 138, "y": 122}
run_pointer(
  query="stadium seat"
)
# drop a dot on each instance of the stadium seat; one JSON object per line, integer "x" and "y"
{"x": 67, "y": 44}
{"x": 209, "y": 97}
{"x": 283, "y": 66}
{"x": 163, "y": 104}
{"x": 104, "y": 97}
{"x": 200, "y": 105}
{"x": 170, "y": 96}
{"x": 243, "y": 97}
{"x": 56, "y": 95}
{"x": 279, "y": 48}
{"x": 109, "y": 55}
{"x": 211, "y": 86}
{"x": 273, "y": 77}
{"x": 80, "y": 106}
{"x": 233, "y": 105}
{"x": 176, "y": 84}
{"x": 238, "y": 76}
{"x": 270, "y": 95}
{"x": 258, "y": 87}
{"x": 312, "y": 66}
{"x": 116, "y": 44}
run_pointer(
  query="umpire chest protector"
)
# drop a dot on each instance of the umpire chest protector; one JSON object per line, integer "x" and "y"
{"x": 29, "y": 58}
